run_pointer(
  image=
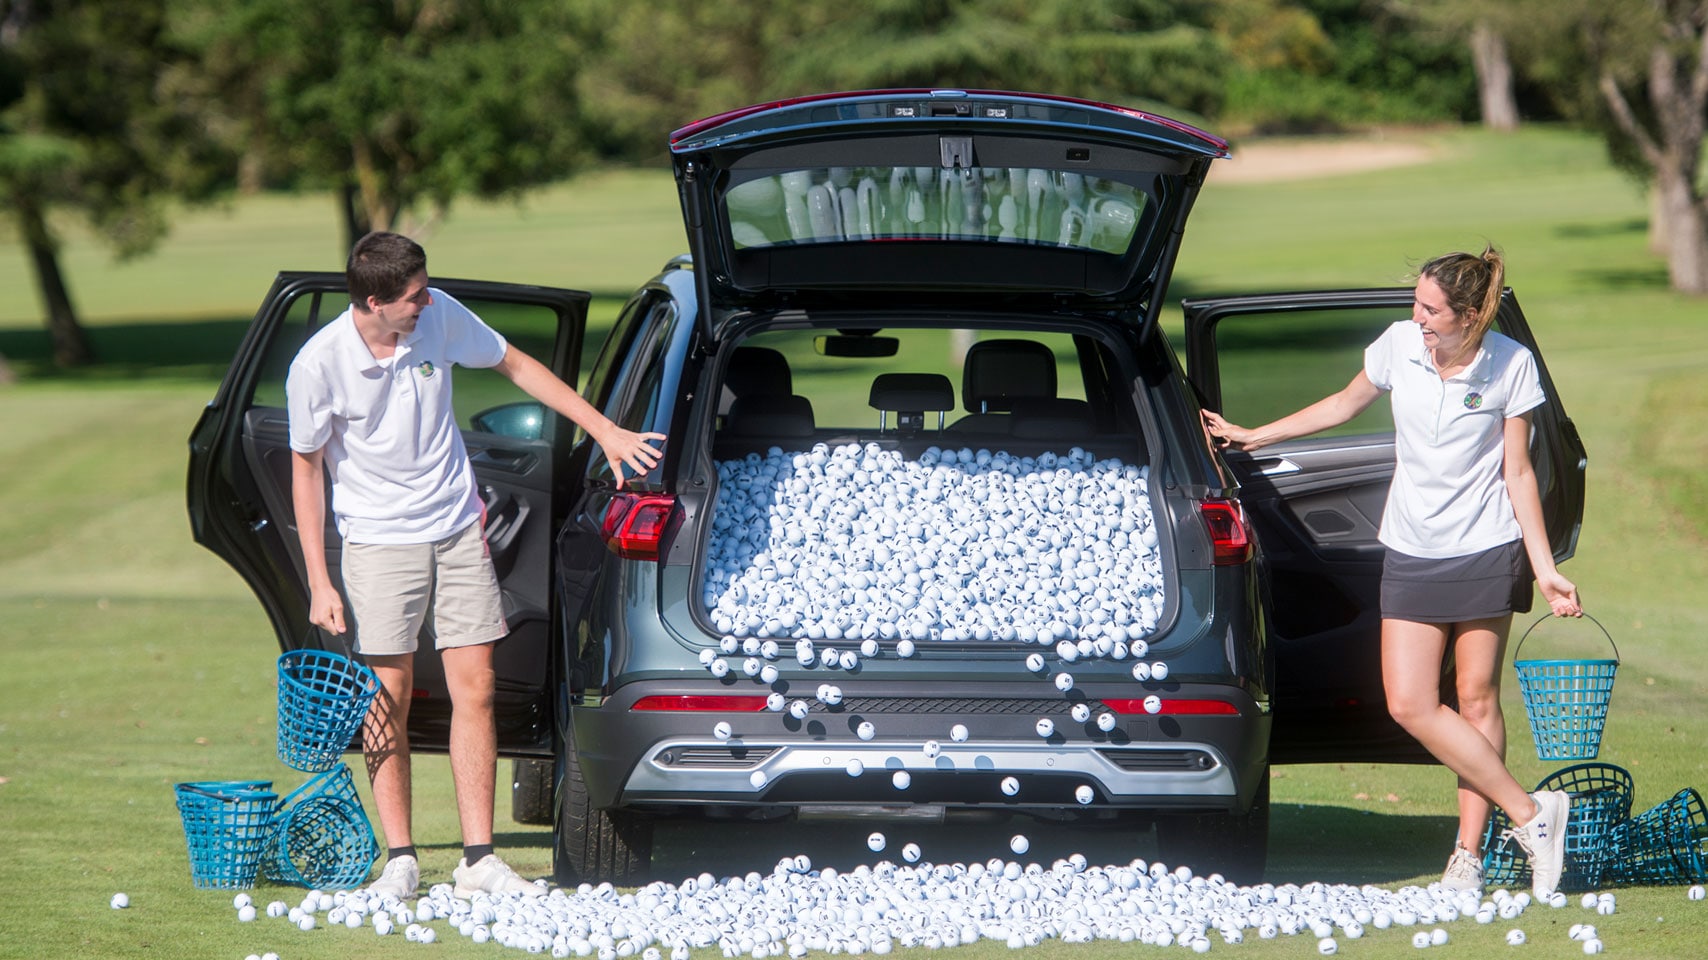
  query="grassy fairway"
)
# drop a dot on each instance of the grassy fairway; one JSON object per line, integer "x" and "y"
{"x": 134, "y": 659}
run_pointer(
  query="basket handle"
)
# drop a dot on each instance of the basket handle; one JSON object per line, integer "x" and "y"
{"x": 1549, "y": 616}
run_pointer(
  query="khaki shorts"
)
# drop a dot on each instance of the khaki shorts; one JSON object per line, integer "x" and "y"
{"x": 390, "y": 586}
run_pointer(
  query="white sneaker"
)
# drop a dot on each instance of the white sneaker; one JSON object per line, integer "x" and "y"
{"x": 490, "y": 875}
{"x": 1544, "y": 840}
{"x": 400, "y": 878}
{"x": 1464, "y": 871}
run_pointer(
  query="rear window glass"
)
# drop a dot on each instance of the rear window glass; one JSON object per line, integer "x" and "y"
{"x": 1063, "y": 208}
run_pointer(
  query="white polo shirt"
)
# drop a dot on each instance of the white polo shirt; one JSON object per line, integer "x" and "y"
{"x": 1449, "y": 498}
{"x": 400, "y": 472}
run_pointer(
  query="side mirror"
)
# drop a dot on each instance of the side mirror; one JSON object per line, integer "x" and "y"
{"x": 524, "y": 420}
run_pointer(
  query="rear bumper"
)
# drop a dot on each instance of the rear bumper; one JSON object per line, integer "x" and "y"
{"x": 646, "y": 758}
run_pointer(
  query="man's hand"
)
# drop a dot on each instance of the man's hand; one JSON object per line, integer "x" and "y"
{"x": 326, "y": 609}
{"x": 628, "y": 448}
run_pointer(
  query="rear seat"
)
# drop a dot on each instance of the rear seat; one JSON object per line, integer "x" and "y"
{"x": 755, "y": 372}
{"x": 995, "y": 375}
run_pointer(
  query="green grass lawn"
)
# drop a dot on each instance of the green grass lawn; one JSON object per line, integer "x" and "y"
{"x": 134, "y": 659}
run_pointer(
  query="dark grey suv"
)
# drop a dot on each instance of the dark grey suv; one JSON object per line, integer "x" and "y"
{"x": 936, "y": 525}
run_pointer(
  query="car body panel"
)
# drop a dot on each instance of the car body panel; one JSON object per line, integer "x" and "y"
{"x": 1317, "y": 504}
{"x": 240, "y": 500}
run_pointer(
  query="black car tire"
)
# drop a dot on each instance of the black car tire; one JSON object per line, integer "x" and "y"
{"x": 593, "y": 845}
{"x": 531, "y": 791}
{"x": 1234, "y": 845}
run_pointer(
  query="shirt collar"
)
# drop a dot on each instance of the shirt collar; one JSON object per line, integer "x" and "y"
{"x": 1477, "y": 371}
{"x": 361, "y": 358}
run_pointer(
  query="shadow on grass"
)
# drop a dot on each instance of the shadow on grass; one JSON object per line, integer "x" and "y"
{"x": 1607, "y": 228}
{"x": 136, "y": 350}
{"x": 1638, "y": 278}
{"x": 1330, "y": 844}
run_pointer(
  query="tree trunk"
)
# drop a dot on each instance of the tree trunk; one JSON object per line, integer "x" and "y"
{"x": 355, "y": 215}
{"x": 1494, "y": 78}
{"x": 71, "y": 347}
{"x": 1658, "y": 229}
{"x": 1687, "y": 243}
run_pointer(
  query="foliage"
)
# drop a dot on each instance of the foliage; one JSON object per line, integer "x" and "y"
{"x": 402, "y": 107}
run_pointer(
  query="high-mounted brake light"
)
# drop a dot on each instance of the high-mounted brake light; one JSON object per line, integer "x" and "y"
{"x": 1226, "y": 522}
{"x": 703, "y": 703}
{"x": 634, "y": 524}
{"x": 1178, "y": 708}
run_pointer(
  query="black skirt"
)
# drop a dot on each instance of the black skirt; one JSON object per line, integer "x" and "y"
{"x": 1477, "y": 586}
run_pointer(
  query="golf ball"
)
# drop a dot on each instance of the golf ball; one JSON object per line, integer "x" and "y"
{"x": 1437, "y": 937}
{"x": 799, "y": 709}
{"x": 768, "y": 673}
{"x": 719, "y": 668}
{"x": 855, "y": 767}
{"x": 120, "y": 901}
{"x": 1327, "y": 947}
{"x": 1045, "y": 726}
{"x": 1106, "y": 722}
{"x": 1010, "y": 785}
{"x": 1159, "y": 671}
{"x": 305, "y": 922}
{"x": 1515, "y": 937}
{"x": 1083, "y": 794}
{"x": 758, "y": 778}
{"x": 958, "y": 733}
{"x": 932, "y": 748}
{"x": 1587, "y": 901}
{"x": 902, "y": 779}
{"x": 1081, "y": 712}
{"x": 1035, "y": 662}
{"x": 1592, "y": 945}
{"x": 277, "y": 908}
{"x": 875, "y": 842}
{"x": 1141, "y": 671}
{"x": 1019, "y": 844}
{"x": 910, "y": 853}
{"x": 722, "y": 730}
{"x": 775, "y": 702}
{"x": 1420, "y": 939}
{"x": 866, "y": 730}
{"x": 1153, "y": 704}
{"x": 904, "y": 648}
{"x": 1696, "y": 892}
{"x": 1064, "y": 682}
{"x": 246, "y": 913}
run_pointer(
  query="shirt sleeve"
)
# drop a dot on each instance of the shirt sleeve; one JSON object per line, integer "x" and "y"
{"x": 1524, "y": 384}
{"x": 308, "y": 401}
{"x": 1379, "y": 358}
{"x": 469, "y": 342}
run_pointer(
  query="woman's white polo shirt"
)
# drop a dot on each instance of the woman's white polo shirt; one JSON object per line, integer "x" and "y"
{"x": 1448, "y": 497}
{"x": 400, "y": 472}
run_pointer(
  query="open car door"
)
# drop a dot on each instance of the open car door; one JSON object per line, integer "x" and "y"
{"x": 239, "y": 486}
{"x": 1317, "y": 502}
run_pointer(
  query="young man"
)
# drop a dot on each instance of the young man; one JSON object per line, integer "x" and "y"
{"x": 370, "y": 402}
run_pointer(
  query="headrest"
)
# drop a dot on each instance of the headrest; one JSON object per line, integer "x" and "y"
{"x": 758, "y": 371}
{"x": 770, "y": 416}
{"x": 1049, "y": 419}
{"x": 997, "y": 372}
{"x": 912, "y": 392}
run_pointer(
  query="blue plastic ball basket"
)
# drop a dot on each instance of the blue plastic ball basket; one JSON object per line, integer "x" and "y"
{"x": 1666, "y": 844}
{"x": 1601, "y": 801}
{"x": 323, "y": 698}
{"x": 1566, "y": 700}
{"x": 225, "y": 828}
{"x": 320, "y": 835}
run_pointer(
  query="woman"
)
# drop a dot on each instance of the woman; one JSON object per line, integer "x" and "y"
{"x": 1463, "y": 515}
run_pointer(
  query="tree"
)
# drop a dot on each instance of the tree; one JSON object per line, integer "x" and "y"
{"x": 1652, "y": 72}
{"x": 85, "y": 124}
{"x": 399, "y": 107}
{"x": 1494, "y": 77}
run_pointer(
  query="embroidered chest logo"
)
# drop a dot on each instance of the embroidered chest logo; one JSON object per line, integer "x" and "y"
{"x": 426, "y": 371}
{"x": 1473, "y": 400}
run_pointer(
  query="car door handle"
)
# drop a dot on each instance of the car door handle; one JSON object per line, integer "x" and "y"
{"x": 1274, "y": 467}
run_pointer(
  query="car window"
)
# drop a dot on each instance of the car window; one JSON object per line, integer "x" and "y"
{"x": 839, "y": 388}
{"x": 1064, "y": 208}
{"x": 1272, "y": 364}
{"x": 528, "y": 327}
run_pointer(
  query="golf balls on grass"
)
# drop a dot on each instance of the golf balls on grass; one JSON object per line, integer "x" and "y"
{"x": 1696, "y": 892}
{"x": 1515, "y": 937}
{"x": 120, "y": 901}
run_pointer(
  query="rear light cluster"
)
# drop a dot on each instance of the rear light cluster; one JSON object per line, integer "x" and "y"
{"x": 634, "y": 524}
{"x": 1178, "y": 708}
{"x": 1229, "y": 537}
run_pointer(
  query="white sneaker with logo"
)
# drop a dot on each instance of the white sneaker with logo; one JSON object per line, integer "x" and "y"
{"x": 490, "y": 875}
{"x": 400, "y": 878}
{"x": 1544, "y": 840}
{"x": 1464, "y": 871}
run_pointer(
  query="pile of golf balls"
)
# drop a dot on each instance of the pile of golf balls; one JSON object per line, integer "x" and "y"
{"x": 796, "y": 909}
{"x": 862, "y": 543}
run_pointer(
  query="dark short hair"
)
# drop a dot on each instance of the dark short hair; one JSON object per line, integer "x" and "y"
{"x": 381, "y": 265}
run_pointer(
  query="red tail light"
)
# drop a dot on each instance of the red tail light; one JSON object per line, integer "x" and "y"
{"x": 1178, "y": 708}
{"x": 634, "y": 523}
{"x": 715, "y": 703}
{"x": 1226, "y": 523}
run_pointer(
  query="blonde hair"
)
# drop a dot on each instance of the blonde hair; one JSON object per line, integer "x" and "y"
{"x": 1471, "y": 282}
